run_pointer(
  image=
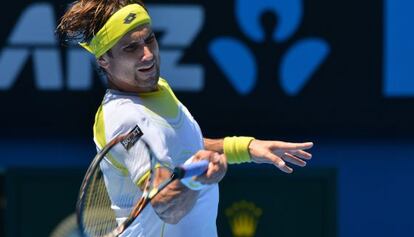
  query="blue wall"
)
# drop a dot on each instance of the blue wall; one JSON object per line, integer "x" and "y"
{"x": 374, "y": 185}
{"x": 374, "y": 178}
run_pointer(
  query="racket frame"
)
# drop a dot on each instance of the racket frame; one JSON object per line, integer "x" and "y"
{"x": 127, "y": 140}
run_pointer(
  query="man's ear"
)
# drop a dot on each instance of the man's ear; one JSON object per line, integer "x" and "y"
{"x": 103, "y": 61}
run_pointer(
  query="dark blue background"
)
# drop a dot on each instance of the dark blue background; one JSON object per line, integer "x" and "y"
{"x": 357, "y": 106}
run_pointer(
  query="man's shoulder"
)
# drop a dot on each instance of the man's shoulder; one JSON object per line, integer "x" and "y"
{"x": 164, "y": 84}
{"x": 120, "y": 108}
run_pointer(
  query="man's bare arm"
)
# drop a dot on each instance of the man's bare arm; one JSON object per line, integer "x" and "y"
{"x": 277, "y": 153}
{"x": 214, "y": 145}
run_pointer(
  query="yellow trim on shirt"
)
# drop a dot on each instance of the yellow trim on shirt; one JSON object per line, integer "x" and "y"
{"x": 99, "y": 128}
{"x": 141, "y": 181}
{"x": 162, "y": 102}
{"x": 100, "y": 139}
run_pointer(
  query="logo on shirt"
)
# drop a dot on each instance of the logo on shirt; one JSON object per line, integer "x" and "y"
{"x": 243, "y": 217}
{"x": 132, "y": 137}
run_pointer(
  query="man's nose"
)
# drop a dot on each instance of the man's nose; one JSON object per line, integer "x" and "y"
{"x": 147, "y": 54}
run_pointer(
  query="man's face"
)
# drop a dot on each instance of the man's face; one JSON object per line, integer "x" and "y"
{"x": 134, "y": 63}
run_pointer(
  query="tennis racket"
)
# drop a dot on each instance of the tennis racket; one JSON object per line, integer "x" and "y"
{"x": 95, "y": 216}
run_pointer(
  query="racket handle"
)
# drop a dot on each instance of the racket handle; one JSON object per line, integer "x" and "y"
{"x": 194, "y": 168}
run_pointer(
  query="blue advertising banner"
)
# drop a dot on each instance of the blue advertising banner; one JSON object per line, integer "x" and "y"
{"x": 297, "y": 67}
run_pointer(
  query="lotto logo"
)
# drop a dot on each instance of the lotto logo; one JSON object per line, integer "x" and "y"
{"x": 130, "y": 18}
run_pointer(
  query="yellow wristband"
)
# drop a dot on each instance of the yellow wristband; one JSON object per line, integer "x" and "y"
{"x": 236, "y": 149}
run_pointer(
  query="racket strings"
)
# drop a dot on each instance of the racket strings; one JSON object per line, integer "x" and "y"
{"x": 98, "y": 213}
{"x": 98, "y": 216}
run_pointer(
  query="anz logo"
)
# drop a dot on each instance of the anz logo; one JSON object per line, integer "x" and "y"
{"x": 33, "y": 37}
{"x": 297, "y": 65}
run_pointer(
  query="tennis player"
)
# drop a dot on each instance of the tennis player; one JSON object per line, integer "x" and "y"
{"x": 118, "y": 33}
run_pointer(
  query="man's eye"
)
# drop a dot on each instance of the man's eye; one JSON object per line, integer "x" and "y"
{"x": 150, "y": 39}
{"x": 130, "y": 47}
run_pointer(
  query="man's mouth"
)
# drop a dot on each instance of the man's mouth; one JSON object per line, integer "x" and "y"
{"x": 147, "y": 68}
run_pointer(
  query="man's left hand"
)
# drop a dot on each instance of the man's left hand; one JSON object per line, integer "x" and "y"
{"x": 279, "y": 152}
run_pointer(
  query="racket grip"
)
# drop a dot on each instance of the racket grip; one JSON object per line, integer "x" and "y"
{"x": 194, "y": 168}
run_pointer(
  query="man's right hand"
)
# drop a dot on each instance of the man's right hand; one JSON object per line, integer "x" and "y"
{"x": 217, "y": 167}
{"x": 176, "y": 200}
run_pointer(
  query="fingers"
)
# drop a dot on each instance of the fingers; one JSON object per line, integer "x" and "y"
{"x": 203, "y": 155}
{"x": 277, "y": 152}
{"x": 217, "y": 167}
{"x": 213, "y": 166}
{"x": 293, "y": 159}
{"x": 213, "y": 174}
{"x": 279, "y": 163}
{"x": 302, "y": 154}
{"x": 293, "y": 152}
{"x": 291, "y": 145}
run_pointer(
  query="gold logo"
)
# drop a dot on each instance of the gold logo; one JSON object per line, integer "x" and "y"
{"x": 243, "y": 217}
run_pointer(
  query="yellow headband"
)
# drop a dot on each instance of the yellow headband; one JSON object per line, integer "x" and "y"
{"x": 120, "y": 23}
